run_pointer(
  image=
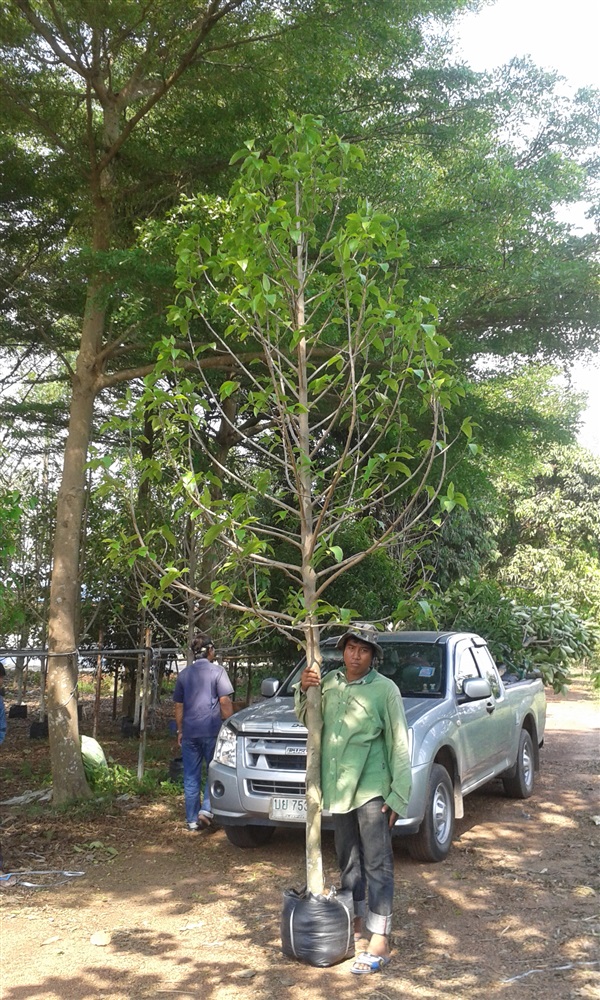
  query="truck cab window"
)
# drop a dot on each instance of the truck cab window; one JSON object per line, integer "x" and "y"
{"x": 465, "y": 668}
{"x": 487, "y": 668}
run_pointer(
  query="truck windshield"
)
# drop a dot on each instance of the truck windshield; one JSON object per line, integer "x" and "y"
{"x": 416, "y": 667}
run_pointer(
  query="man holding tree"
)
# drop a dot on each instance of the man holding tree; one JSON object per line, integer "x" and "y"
{"x": 366, "y": 782}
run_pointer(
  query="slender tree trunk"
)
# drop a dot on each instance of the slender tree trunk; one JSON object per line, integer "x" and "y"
{"x": 43, "y": 682}
{"x": 249, "y": 683}
{"x": 115, "y": 690}
{"x": 225, "y": 439}
{"x": 20, "y": 662}
{"x": 98, "y": 695}
{"x": 190, "y": 542}
{"x": 144, "y": 704}
{"x": 314, "y": 718}
{"x": 139, "y": 677}
{"x": 68, "y": 776}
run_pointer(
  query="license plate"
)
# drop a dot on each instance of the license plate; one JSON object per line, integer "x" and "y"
{"x": 287, "y": 808}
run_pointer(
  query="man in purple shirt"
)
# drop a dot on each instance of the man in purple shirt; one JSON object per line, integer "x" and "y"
{"x": 202, "y": 700}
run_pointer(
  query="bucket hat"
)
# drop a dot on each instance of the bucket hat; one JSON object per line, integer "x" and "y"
{"x": 364, "y": 633}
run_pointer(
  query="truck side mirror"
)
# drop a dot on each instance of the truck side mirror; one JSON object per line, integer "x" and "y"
{"x": 269, "y": 687}
{"x": 475, "y": 688}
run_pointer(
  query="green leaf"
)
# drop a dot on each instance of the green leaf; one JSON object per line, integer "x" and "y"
{"x": 466, "y": 427}
{"x": 212, "y": 533}
{"x": 168, "y": 534}
{"x": 239, "y": 155}
{"x": 227, "y": 389}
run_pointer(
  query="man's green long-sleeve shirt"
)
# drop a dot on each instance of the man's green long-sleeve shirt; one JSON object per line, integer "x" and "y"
{"x": 365, "y": 742}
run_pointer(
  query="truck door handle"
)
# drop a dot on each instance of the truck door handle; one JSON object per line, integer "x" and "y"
{"x": 490, "y": 707}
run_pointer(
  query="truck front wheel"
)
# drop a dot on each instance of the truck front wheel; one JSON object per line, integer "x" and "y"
{"x": 519, "y": 785}
{"x": 249, "y": 836}
{"x": 434, "y": 837}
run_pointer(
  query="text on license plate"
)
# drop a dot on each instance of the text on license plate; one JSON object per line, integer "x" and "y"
{"x": 287, "y": 808}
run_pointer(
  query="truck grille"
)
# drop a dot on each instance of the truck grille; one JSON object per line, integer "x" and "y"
{"x": 276, "y": 788}
{"x": 287, "y": 763}
{"x": 272, "y": 753}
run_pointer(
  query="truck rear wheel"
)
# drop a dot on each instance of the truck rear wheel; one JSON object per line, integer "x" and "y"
{"x": 433, "y": 839}
{"x": 520, "y": 784}
{"x": 249, "y": 836}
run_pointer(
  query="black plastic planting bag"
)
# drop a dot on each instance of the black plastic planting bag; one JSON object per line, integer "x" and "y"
{"x": 318, "y": 930}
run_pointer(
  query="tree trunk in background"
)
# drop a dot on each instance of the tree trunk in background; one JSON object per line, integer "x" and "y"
{"x": 225, "y": 438}
{"x": 20, "y": 662}
{"x": 128, "y": 698}
{"x": 68, "y": 776}
{"x": 192, "y": 560}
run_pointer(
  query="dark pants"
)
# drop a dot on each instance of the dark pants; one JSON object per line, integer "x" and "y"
{"x": 363, "y": 845}
{"x": 193, "y": 753}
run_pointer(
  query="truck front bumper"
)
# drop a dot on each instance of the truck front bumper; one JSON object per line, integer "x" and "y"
{"x": 233, "y": 803}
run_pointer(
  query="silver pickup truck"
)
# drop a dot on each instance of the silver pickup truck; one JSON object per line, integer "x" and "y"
{"x": 466, "y": 726}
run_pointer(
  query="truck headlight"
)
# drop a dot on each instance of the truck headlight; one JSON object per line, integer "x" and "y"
{"x": 226, "y": 747}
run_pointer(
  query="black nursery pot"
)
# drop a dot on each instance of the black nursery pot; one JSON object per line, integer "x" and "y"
{"x": 17, "y": 712}
{"x": 39, "y": 730}
{"x": 176, "y": 769}
{"x": 128, "y": 729}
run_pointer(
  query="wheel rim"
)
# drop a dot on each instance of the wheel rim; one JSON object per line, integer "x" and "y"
{"x": 442, "y": 814}
{"x": 527, "y": 764}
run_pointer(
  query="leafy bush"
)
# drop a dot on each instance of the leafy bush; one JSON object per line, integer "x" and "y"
{"x": 119, "y": 780}
{"x": 555, "y": 638}
{"x": 550, "y": 637}
{"x": 564, "y": 568}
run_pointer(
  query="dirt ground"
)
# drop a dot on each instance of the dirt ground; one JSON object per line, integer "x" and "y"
{"x": 160, "y": 912}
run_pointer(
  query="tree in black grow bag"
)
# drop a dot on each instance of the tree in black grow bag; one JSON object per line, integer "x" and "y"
{"x": 318, "y": 930}
{"x": 328, "y": 365}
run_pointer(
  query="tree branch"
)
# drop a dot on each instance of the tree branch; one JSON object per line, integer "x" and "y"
{"x": 40, "y": 26}
{"x": 203, "y": 26}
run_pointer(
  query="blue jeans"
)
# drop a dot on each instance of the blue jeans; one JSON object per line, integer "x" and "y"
{"x": 193, "y": 752}
{"x": 363, "y": 846}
